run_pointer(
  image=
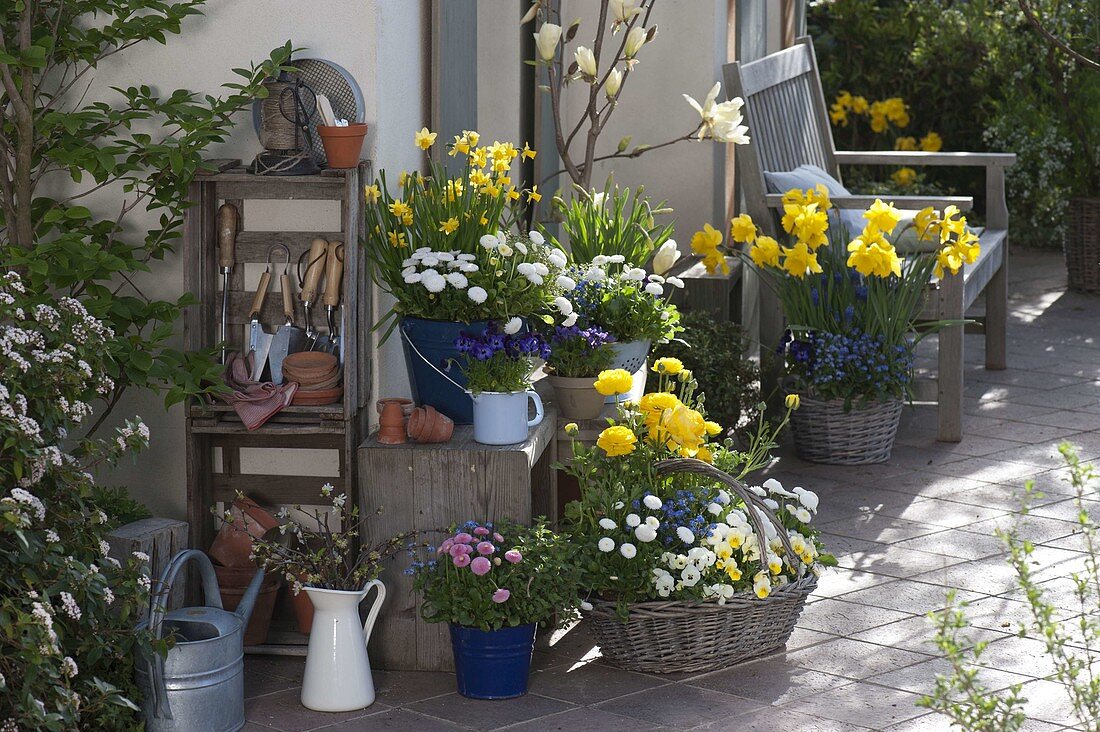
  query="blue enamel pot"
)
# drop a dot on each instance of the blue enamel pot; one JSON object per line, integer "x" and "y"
{"x": 492, "y": 664}
{"x": 435, "y": 366}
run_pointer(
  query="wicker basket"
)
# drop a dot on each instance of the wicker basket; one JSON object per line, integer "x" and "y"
{"x": 1082, "y": 245}
{"x": 825, "y": 433}
{"x": 668, "y": 636}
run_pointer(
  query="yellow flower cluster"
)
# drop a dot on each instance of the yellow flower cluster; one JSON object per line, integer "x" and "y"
{"x": 871, "y": 254}
{"x": 490, "y": 165}
{"x": 844, "y": 104}
{"x": 706, "y": 243}
{"x": 891, "y": 110}
{"x": 932, "y": 142}
{"x": 959, "y": 245}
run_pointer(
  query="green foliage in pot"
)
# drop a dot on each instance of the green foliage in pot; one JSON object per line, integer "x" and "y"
{"x": 67, "y": 610}
{"x": 143, "y": 147}
{"x": 497, "y": 576}
{"x": 610, "y": 222}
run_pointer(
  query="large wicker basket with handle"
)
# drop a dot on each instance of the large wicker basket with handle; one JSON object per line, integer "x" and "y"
{"x": 1082, "y": 245}
{"x": 670, "y": 636}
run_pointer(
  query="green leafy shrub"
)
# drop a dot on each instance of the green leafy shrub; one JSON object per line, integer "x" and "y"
{"x": 67, "y": 610}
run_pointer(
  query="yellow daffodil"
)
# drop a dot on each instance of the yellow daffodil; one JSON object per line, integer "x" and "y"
{"x": 407, "y": 219}
{"x": 904, "y": 176}
{"x": 792, "y": 402}
{"x": 527, "y": 152}
{"x": 479, "y": 157}
{"x": 926, "y": 223}
{"x": 871, "y": 255}
{"x": 668, "y": 365}
{"x": 449, "y": 226}
{"x": 931, "y": 142}
{"x": 905, "y": 143}
{"x": 400, "y": 209}
{"x": 372, "y": 193}
{"x": 860, "y": 105}
{"x": 472, "y": 137}
{"x": 479, "y": 179}
{"x": 460, "y": 145}
{"x": 947, "y": 260}
{"x": 950, "y": 225}
{"x": 513, "y": 194}
{"x": 534, "y": 195}
{"x": 742, "y": 229}
{"x": 484, "y": 221}
{"x": 799, "y": 260}
{"x": 819, "y": 195}
{"x": 838, "y": 116}
{"x": 614, "y": 381}
{"x": 397, "y": 239}
{"x": 706, "y": 240}
{"x": 807, "y": 222}
{"x": 765, "y": 252}
{"x": 424, "y": 139}
{"x": 617, "y": 441}
{"x": 882, "y": 215}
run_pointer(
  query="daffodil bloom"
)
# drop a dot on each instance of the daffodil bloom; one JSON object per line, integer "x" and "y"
{"x": 742, "y": 229}
{"x": 397, "y": 239}
{"x": 513, "y": 194}
{"x": 871, "y": 255}
{"x": 635, "y": 39}
{"x": 479, "y": 157}
{"x": 807, "y": 223}
{"x": 905, "y": 143}
{"x": 926, "y": 223}
{"x": 372, "y": 194}
{"x": 546, "y": 41}
{"x": 860, "y": 105}
{"x": 838, "y": 115}
{"x": 478, "y": 178}
{"x": 947, "y": 260}
{"x": 460, "y": 145}
{"x": 904, "y": 176}
{"x": 534, "y": 195}
{"x": 449, "y": 226}
{"x": 399, "y": 208}
{"x": 720, "y": 121}
{"x": 527, "y": 152}
{"x": 611, "y": 86}
{"x": 765, "y": 252}
{"x": 799, "y": 260}
{"x": 586, "y": 62}
{"x": 882, "y": 215}
{"x": 706, "y": 240}
{"x": 424, "y": 139}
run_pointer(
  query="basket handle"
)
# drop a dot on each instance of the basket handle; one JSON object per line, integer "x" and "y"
{"x": 694, "y": 465}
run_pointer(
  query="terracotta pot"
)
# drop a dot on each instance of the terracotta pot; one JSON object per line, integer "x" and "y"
{"x": 343, "y": 144}
{"x": 391, "y": 422}
{"x": 303, "y": 609}
{"x": 233, "y": 543}
{"x": 426, "y": 424}
{"x": 576, "y": 398}
{"x": 232, "y": 582}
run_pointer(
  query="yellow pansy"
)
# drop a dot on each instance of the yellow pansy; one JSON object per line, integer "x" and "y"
{"x": 668, "y": 365}
{"x": 742, "y": 229}
{"x": 534, "y": 195}
{"x": 617, "y": 441}
{"x": 799, "y": 260}
{"x": 931, "y": 142}
{"x": 732, "y": 570}
{"x": 762, "y": 585}
{"x": 723, "y": 550}
{"x": 372, "y": 193}
{"x": 904, "y": 176}
{"x": 614, "y": 381}
{"x": 765, "y": 252}
{"x": 397, "y": 239}
{"x": 449, "y": 226}
{"x": 424, "y": 139}
{"x": 905, "y": 143}
{"x": 882, "y": 216}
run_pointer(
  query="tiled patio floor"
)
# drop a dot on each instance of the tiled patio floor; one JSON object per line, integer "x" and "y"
{"x": 903, "y": 532}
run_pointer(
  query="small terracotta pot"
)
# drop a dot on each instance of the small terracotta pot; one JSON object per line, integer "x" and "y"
{"x": 576, "y": 398}
{"x": 233, "y": 543}
{"x": 405, "y": 404}
{"x": 343, "y": 144}
{"x": 233, "y": 582}
{"x": 391, "y": 422}
{"x": 426, "y": 424}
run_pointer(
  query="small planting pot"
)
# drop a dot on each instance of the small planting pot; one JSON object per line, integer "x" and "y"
{"x": 391, "y": 423}
{"x": 492, "y": 664}
{"x": 343, "y": 144}
{"x": 233, "y": 583}
{"x": 576, "y": 398}
{"x": 426, "y": 424}
{"x": 500, "y": 417}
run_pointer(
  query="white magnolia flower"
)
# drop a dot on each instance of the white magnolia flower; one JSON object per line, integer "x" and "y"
{"x": 570, "y": 321}
{"x": 606, "y": 545}
{"x": 477, "y": 294}
{"x": 628, "y": 550}
{"x": 608, "y": 524}
{"x": 488, "y": 241}
{"x": 566, "y": 283}
{"x": 586, "y": 62}
{"x": 563, "y": 305}
{"x": 558, "y": 258}
{"x": 645, "y": 533}
{"x": 633, "y": 519}
{"x": 685, "y": 535}
{"x": 613, "y": 84}
{"x": 457, "y": 280}
{"x": 653, "y": 503}
{"x": 721, "y": 121}
{"x": 512, "y": 326}
{"x": 666, "y": 256}
{"x": 546, "y": 40}
{"x": 675, "y": 282}
{"x": 536, "y": 238}
{"x": 655, "y": 289}
{"x": 623, "y": 10}
{"x": 635, "y": 39}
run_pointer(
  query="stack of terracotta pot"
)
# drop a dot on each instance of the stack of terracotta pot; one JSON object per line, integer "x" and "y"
{"x": 231, "y": 552}
{"x": 319, "y": 376}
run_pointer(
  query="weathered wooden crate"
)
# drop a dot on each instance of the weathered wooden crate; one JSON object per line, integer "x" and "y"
{"x": 159, "y": 538}
{"x": 419, "y": 488}
{"x": 718, "y": 294}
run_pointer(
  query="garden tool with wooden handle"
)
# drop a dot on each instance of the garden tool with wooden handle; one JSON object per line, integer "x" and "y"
{"x": 289, "y": 338}
{"x": 315, "y": 267}
{"x": 259, "y": 340}
{"x": 228, "y": 224}
{"x": 334, "y": 274}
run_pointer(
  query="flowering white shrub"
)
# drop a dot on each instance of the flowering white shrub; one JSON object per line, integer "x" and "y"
{"x": 67, "y": 610}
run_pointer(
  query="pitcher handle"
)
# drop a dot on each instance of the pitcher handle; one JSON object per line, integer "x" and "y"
{"x": 539, "y": 414}
{"x": 368, "y": 626}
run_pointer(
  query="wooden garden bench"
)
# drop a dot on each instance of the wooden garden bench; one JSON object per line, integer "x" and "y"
{"x": 788, "y": 122}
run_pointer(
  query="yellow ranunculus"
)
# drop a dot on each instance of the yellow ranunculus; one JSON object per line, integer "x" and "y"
{"x": 668, "y": 365}
{"x": 704, "y": 454}
{"x": 654, "y": 404}
{"x": 793, "y": 402}
{"x": 617, "y": 441}
{"x": 765, "y": 252}
{"x": 449, "y": 226}
{"x": 686, "y": 427}
{"x": 713, "y": 428}
{"x": 931, "y": 142}
{"x": 799, "y": 260}
{"x": 424, "y": 139}
{"x": 882, "y": 215}
{"x": 372, "y": 194}
{"x": 904, "y": 176}
{"x": 572, "y": 428}
{"x": 614, "y": 381}
{"x": 742, "y": 229}
{"x": 905, "y": 143}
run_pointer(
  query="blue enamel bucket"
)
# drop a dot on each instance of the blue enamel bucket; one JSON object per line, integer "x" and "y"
{"x": 435, "y": 366}
{"x": 492, "y": 664}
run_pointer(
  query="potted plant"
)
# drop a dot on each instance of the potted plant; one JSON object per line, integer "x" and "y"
{"x": 577, "y": 356}
{"x": 494, "y": 584}
{"x": 672, "y": 545}
{"x": 315, "y": 552}
{"x": 632, "y": 306}
{"x": 497, "y": 365}
{"x": 437, "y": 245}
{"x": 853, "y": 309}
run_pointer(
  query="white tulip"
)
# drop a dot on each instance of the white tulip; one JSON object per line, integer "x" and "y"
{"x": 477, "y": 294}
{"x": 665, "y": 257}
{"x": 546, "y": 40}
{"x": 512, "y": 326}
{"x": 635, "y": 39}
{"x": 645, "y": 533}
{"x": 608, "y": 524}
{"x": 599, "y": 199}
{"x": 653, "y": 503}
{"x": 623, "y": 10}
{"x": 586, "y": 62}
{"x": 613, "y": 83}
{"x": 628, "y": 550}
{"x": 606, "y": 545}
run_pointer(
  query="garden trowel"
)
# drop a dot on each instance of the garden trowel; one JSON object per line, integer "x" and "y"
{"x": 334, "y": 272}
{"x": 289, "y": 338}
{"x": 259, "y": 340}
{"x": 315, "y": 267}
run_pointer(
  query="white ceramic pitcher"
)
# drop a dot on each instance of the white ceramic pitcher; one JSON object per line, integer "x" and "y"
{"x": 337, "y": 676}
{"x": 500, "y": 417}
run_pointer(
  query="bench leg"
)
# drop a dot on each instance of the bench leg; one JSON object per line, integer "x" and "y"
{"x": 949, "y": 380}
{"x": 996, "y": 316}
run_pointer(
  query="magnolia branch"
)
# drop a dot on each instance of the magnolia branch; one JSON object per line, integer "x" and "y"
{"x": 1029, "y": 13}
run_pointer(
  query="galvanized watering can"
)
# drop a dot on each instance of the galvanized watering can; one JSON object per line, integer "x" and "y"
{"x": 200, "y": 685}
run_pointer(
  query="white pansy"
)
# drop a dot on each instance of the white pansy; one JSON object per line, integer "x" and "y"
{"x": 513, "y": 325}
{"x": 586, "y": 61}
{"x": 457, "y": 280}
{"x": 720, "y": 120}
{"x": 566, "y": 283}
{"x": 477, "y": 294}
{"x": 645, "y": 533}
{"x": 679, "y": 561}
{"x": 655, "y": 289}
{"x": 675, "y": 282}
{"x": 666, "y": 256}
{"x": 633, "y": 519}
{"x": 799, "y": 513}
{"x": 488, "y": 241}
{"x": 628, "y": 550}
{"x": 685, "y": 535}
{"x": 546, "y": 40}
{"x": 690, "y": 576}
{"x": 635, "y": 39}
{"x": 613, "y": 84}
{"x": 536, "y": 238}
{"x": 653, "y": 503}
{"x": 608, "y": 524}
{"x": 807, "y": 498}
{"x": 563, "y": 305}
{"x": 606, "y": 544}
{"x": 664, "y": 585}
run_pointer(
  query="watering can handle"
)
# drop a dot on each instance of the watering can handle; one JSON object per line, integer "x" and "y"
{"x": 368, "y": 626}
{"x": 539, "y": 414}
{"x": 209, "y": 585}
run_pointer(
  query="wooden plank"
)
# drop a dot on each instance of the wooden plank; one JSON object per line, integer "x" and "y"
{"x": 949, "y": 377}
{"x": 240, "y": 174}
{"x": 919, "y": 157}
{"x": 963, "y": 203}
{"x": 454, "y": 70}
{"x": 279, "y": 440}
{"x": 996, "y": 296}
{"x": 253, "y": 246}
{"x": 276, "y": 490}
{"x": 271, "y": 315}
{"x": 284, "y": 189}
{"x": 294, "y": 411}
{"x": 716, "y": 293}
{"x": 215, "y": 166}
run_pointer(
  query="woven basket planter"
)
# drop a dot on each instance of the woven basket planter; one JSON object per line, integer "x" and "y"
{"x": 674, "y": 637}
{"x": 825, "y": 433}
{"x": 1082, "y": 247}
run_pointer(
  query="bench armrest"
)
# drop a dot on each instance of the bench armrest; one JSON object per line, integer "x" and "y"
{"x": 963, "y": 203}
{"x": 917, "y": 157}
